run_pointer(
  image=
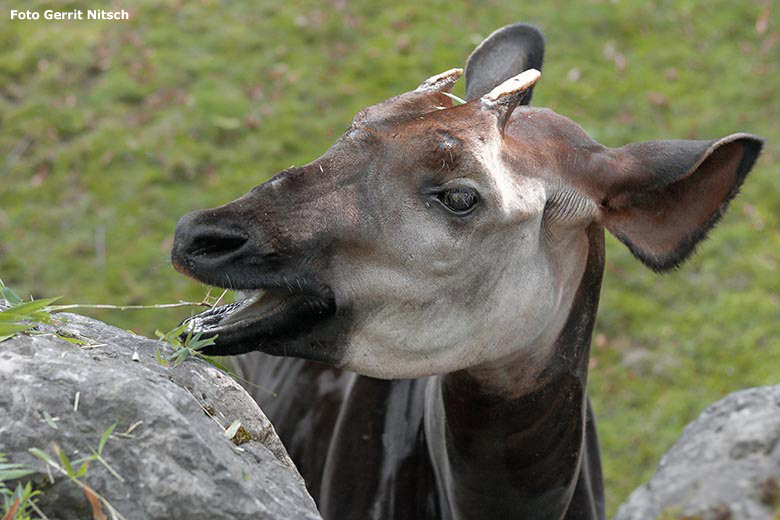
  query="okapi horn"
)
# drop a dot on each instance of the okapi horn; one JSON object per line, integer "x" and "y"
{"x": 504, "y": 98}
{"x": 440, "y": 82}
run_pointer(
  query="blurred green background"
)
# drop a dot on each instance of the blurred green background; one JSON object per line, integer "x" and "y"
{"x": 110, "y": 131}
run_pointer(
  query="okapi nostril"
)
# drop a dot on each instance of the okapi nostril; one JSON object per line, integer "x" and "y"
{"x": 215, "y": 245}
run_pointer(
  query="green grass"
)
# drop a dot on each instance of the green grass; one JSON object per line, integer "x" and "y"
{"x": 110, "y": 131}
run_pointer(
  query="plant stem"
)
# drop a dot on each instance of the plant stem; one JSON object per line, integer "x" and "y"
{"x": 57, "y": 308}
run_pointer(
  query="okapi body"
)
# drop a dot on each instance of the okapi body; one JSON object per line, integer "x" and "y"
{"x": 432, "y": 282}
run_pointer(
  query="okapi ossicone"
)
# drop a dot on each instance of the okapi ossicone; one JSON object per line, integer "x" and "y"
{"x": 432, "y": 282}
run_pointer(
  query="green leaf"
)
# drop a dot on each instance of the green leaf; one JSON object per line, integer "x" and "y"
{"x": 42, "y": 455}
{"x": 11, "y": 329}
{"x": 42, "y": 317}
{"x": 180, "y": 356}
{"x": 233, "y": 429}
{"x": 65, "y": 462}
{"x": 108, "y": 466}
{"x": 197, "y": 343}
{"x": 88, "y": 458}
{"x": 49, "y": 420}
{"x": 82, "y": 470}
{"x": 28, "y": 492}
{"x": 10, "y": 296}
{"x": 105, "y": 437}
{"x": 178, "y": 331}
{"x": 13, "y": 474}
{"x": 9, "y": 316}
{"x": 172, "y": 336}
{"x": 8, "y": 465}
{"x": 28, "y": 308}
{"x": 160, "y": 358}
{"x": 71, "y": 339}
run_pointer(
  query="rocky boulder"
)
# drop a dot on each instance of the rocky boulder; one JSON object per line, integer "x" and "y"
{"x": 725, "y": 466}
{"x": 169, "y": 455}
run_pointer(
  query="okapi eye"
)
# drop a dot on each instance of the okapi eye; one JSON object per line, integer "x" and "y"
{"x": 459, "y": 200}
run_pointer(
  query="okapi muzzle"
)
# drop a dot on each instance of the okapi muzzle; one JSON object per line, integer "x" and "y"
{"x": 256, "y": 245}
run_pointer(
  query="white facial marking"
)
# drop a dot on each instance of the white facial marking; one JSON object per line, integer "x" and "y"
{"x": 517, "y": 195}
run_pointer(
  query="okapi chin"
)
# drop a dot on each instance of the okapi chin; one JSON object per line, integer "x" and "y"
{"x": 443, "y": 262}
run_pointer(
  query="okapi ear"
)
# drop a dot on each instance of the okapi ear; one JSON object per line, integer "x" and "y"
{"x": 505, "y": 53}
{"x": 664, "y": 196}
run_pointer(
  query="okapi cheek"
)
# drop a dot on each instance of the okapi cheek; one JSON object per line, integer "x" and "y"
{"x": 324, "y": 343}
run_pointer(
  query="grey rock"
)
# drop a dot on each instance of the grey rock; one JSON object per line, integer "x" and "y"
{"x": 175, "y": 463}
{"x": 725, "y": 466}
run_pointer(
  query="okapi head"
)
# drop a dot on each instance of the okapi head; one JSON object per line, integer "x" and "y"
{"x": 434, "y": 236}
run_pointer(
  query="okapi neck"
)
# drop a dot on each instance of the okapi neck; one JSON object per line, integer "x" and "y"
{"x": 520, "y": 454}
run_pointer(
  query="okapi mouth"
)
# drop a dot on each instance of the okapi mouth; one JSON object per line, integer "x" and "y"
{"x": 265, "y": 320}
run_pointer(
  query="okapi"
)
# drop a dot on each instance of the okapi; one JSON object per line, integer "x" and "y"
{"x": 432, "y": 282}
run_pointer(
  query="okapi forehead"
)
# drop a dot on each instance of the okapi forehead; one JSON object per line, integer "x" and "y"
{"x": 429, "y": 134}
{"x": 399, "y": 109}
{"x": 442, "y": 151}
{"x": 448, "y": 129}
